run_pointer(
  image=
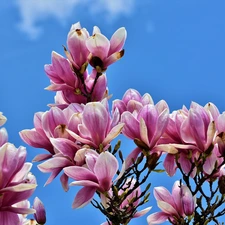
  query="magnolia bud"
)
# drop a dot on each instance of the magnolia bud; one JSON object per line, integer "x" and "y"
{"x": 40, "y": 215}
{"x": 221, "y": 184}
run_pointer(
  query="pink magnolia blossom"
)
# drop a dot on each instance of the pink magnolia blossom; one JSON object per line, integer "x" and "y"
{"x": 132, "y": 101}
{"x": 50, "y": 133}
{"x": 193, "y": 128}
{"x": 148, "y": 125}
{"x": 104, "y": 52}
{"x": 16, "y": 184}
{"x": 188, "y": 130}
{"x": 174, "y": 206}
{"x": 97, "y": 175}
{"x": 76, "y": 42}
{"x": 52, "y": 124}
{"x": 64, "y": 79}
{"x": 97, "y": 127}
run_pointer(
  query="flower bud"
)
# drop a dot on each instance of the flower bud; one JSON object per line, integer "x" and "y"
{"x": 221, "y": 184}
{"x": 40, "y": 215}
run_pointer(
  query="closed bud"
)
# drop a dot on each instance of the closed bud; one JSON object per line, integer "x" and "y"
{"x": 152, "y": 160}
{"x": 40, "y": 215}
{"x": 221, "y": 184}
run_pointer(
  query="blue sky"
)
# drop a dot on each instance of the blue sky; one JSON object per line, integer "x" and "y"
{"x": 175, "y": 51}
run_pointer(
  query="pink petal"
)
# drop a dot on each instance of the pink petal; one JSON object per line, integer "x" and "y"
{"x": 54, "y": 174}
{"x": 131, "y": 94}
{"x": 142, "y": 212}
{"x": 83, "y": 197}
{"x": 117, "y": 40}
{"x": 113, "y": 58}
{"x": 167, "y": 208}
{"x": 82, "y": 140}
{"x": 187, "y": 201}
{"x": 163, "y": 195}
{"x": 98, "y": 45}
{"x": 113, "y": 133}
{"x": 66, "y": 147}
{"x": 18, "y": 210}
{"x": 131, "y": 127}
{"x": 169, "y": 164}
{"x": 105, "y": 168}
{"x": 210, "y": 162}
{"x": 80, "y": 173}
{"x": 176, "y": 193}
{"x": 41, "y": 157}
{"x": 54, "y": 163}
{"x": 157, "y": 218}
{"x": 3, "y": 136}
{"x": 147, "y": 99}
{"x": 51, "y": 119}
{"x": 35, "y": 139}
{"x": 85, "y": 183}
{"x": 133, "y": 105}
{"x": 144, "y": 132}
{"x": 100, "y": 88}
{"x": 64, "y": 181}
{"x": 95, "y": 114}
{"x": 40, "y": 214}
{"x": 9, "y": 218}
{"x": 76, "y": 43}
{"x": 62, "y": 68}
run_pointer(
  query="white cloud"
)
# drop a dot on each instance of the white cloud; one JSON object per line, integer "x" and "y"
{"x": 34, "y": 11}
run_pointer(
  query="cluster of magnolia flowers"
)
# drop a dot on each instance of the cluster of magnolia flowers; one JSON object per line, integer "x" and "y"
{"x": 17, "y": 184}
{"x": 78, "y": 129}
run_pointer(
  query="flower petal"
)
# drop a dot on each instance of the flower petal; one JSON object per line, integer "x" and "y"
{"x": 83, "y": 197}
{"x": 105, "y": 168}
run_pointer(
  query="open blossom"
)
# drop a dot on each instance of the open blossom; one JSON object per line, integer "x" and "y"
{"x": 175, "y": 206}
{"x": 148, "y": 125}
{"x": 188, "y": 130}
{"x": 132, "y": 101}
{"x": 76, "y": 42}
{"x": 97, "y": 127}
{"x": 104, "y": 52}
{"x": 16, "y": 185}
{"x": 64, "y": 79}
{"x": 70, "y": 75}
{"x": 97, "y": 175}
{"x": 52, "y": 124}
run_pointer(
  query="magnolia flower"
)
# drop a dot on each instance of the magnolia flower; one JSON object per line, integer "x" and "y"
{"x": 175, "y": 206}
{"x": 189, "y": 133}
{"x": 148, "y": 125}
{"x": 97, "y": 175}
{"x": 52, "y": 124}
{"x": 132, "y": 101}
{"x": 105, "y": 52}
{"x": 97, "y": 127}
{"x": 76, "y": 42}
{"x": 64, "y": 79}
{"x": 16, "y": 184}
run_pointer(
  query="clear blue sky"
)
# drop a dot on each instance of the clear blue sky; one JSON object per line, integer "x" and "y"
{"x": 175, "y": 51}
